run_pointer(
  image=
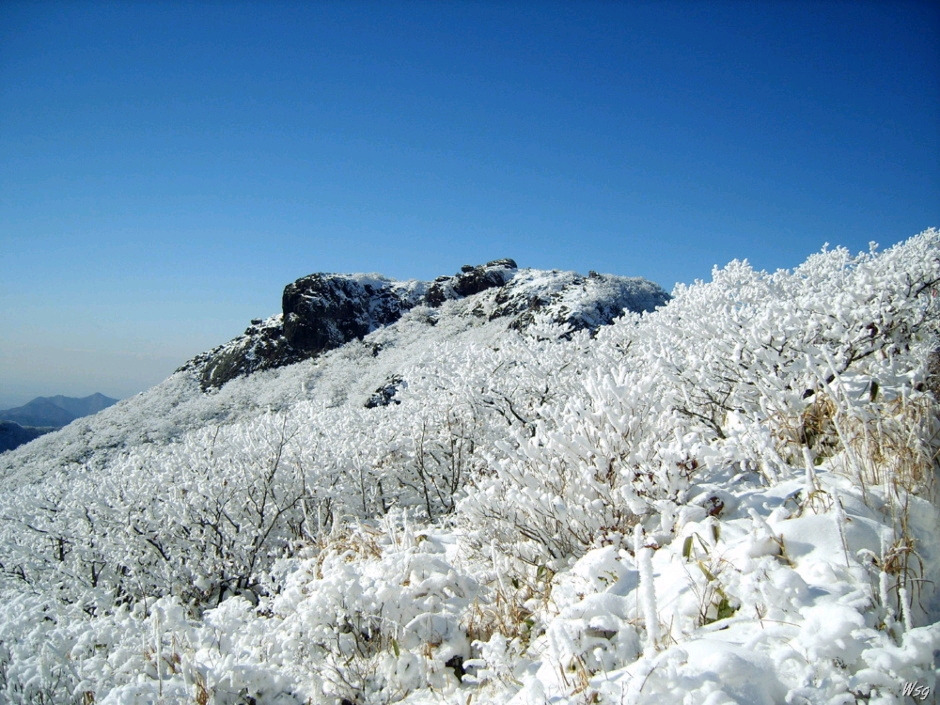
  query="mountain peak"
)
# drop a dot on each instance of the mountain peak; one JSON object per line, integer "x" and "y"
{"x": 323, "y": 311}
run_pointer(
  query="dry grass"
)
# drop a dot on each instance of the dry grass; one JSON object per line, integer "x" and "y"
{"x": 898, "y": 447}
{"x": 889, "y": 446}
{"x": 893, "y": 446}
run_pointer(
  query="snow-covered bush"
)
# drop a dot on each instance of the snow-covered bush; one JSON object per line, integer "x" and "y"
{"x": 732, "y": 497}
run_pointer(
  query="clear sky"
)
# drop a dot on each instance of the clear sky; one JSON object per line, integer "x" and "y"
{"x": 166, "y": 168}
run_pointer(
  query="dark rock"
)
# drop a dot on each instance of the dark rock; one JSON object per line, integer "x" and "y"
{"x": 455, "y": 663}
{"x": 470, "y": 281}
{"x": 385, "y": 395}
{"x": 505, "y": 262}
{"x": 319, "y": 312}
{"x": 324, "y": 311}
{"x": 263, "y": 346}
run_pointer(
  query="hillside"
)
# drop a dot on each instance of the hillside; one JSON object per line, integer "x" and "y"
{"x": 496, "y": 488}
{"x": 264, "y": 370}
{"x": 12, "y": 435}
{"x": 44, "y": 414}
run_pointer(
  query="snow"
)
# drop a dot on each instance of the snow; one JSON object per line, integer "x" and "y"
{"x": 708, "y": 503}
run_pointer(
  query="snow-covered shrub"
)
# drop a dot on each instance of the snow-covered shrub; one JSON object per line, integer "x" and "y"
{"x": 193, "y": 519}
{"x": 373, "y": 617}
{"x": 730, "y": 497}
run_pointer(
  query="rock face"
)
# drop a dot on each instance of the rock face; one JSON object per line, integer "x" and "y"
{"x": 385, "y": 395}
{"x": 321, "y": 312}
{"x": 471, "y": 280}
{"x": 262, "y": 346}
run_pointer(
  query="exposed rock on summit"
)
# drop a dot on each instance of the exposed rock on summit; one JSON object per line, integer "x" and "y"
{"x": 262, "y": 346}
{"x": 321, "y": 312}
{"x": 471, "y": 280}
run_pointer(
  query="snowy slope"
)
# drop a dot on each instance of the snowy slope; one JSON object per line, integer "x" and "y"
{"x": 730, "y": 499}
{"x": 517, "y": 299}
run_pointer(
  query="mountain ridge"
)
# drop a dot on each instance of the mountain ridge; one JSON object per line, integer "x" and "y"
{"x": 57, "y": 411}
{"x": 323, "y": 311}
{"x": 12, "y": 435}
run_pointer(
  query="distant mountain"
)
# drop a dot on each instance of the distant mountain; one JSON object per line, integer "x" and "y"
{"x": 56, "y": 411}
{"x": 12, "y": 435}
{"x": 84, "y": 406}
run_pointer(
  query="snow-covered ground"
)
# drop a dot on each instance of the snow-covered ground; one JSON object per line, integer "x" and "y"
{"x": 729, "y": 500}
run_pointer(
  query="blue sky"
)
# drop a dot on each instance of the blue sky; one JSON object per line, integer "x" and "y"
{"x": 166, "y": 168}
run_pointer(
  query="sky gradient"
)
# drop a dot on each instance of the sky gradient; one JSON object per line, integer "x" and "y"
{"x": 166, "y": 168}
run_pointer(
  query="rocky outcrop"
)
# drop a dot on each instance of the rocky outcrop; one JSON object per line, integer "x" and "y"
{"x": 262, "y": 346}
{"x": 571, "y": 300}
{"x": 471, "y": 280}
{"x": 385, "y": 395}
{"x": 321, "y": 312}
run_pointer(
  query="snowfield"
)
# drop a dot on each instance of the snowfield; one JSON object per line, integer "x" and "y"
{"x": 731, "y": 499}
